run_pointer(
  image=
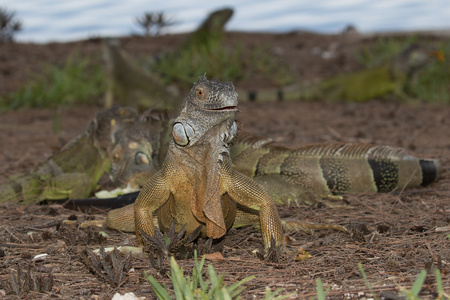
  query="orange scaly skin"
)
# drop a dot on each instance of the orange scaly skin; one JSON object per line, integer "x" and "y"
{"x": 196, "y": 185}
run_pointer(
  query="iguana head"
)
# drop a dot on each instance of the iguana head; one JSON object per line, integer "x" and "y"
{"x": 210, "y": 103}
{"x": 136, "y": 155}
{"x": 131, "y": 143}
{"x": 413, "y": 58}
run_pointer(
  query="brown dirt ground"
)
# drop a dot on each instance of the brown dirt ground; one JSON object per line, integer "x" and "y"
{"x": 393, "y": 235}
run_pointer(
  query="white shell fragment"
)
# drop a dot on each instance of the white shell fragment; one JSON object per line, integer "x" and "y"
{"x": 126, "y": 296}
{"x": 40, "y": 256}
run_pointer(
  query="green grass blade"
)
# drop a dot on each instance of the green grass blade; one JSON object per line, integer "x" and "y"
{"x": 321, "y": 294}
{"x": 417, "y": 286}
{"x": 440, "y": 288}
{"x": 273, "y": 295}
{"x": 369, "y": 286}
{"x": 223, "y": 294}
{"x": 159, "y": 290}
{"x": 177, "y": 279}
{"x": 237, "y": 288}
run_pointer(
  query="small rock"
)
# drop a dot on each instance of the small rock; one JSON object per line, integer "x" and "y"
{"x": 126, "y": 296}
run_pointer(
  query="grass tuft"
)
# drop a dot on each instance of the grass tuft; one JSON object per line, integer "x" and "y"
{"x": 77, "y": 81}
{"x": 185, "y": 287}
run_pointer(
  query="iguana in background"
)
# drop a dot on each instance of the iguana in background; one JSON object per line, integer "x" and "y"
{"x": 115, "y": 150}
{"x": 140, "y": 89}
{"x": 208, "y": 34}
{"x": 196, "y": 185}
{"x": 201, "y": 46}
{"x": 133, "y": 86}
{"x": 392, "y": 77}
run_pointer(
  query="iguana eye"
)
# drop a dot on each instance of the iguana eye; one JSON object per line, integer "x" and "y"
{"x": 201, "y": 93}
{"x": 116, "y": 157}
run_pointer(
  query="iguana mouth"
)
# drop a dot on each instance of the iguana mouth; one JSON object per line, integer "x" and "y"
{"x": 226, "y": 108}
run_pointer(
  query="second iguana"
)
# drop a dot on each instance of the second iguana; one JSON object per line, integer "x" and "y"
{"x": 119, "y": 149}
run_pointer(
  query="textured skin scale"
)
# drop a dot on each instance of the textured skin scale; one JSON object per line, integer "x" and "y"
{"x": 196, "y": 184}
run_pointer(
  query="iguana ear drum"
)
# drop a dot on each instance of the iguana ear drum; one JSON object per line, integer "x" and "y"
{"x": 182, "y": 134}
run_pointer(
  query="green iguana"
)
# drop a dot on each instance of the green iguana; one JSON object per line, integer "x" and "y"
{"x": 196, "y": 185}
{"x": 197, "y": 52}
{"x": 209, "y": 32}
{"x": 361, "y": 85}
{"x": 135, "y": 87}
{"x": 116, "y": 149}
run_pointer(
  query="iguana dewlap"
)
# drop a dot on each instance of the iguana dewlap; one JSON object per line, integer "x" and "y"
{"x": 196, "y": 184}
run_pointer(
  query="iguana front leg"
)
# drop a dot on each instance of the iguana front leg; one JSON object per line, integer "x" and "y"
{"x": 152, "y": 196}
{"x": 248, "y": 193}
{"x": 139, "y": 215}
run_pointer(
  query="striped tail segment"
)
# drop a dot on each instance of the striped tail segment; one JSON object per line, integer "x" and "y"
{"x": 336, "y": 167}
{"x": 355, "y": 167}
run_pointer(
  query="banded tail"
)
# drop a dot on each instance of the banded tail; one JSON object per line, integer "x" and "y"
{"x": 323, "y": 169}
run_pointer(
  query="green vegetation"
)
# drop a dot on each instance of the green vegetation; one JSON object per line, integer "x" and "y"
{"x": 228, "y": 64}
{"x": 440, "y": 288}
{"x": 383, "y": 50}
{"x": 433, "y": 82}
{"x": 185, "y": 287}
{"x": 262, "y": 62}
{"x": 197, "y": 288}
{"x": 369, "y": 286}
{"x": 429, "y": 84}
{"x": 413, "y": 293}
{"x": 221, "y": 62}
{"x": 9, "y": 26}
{"x": 77, "y": 81}
{"x": 321, "y": 294}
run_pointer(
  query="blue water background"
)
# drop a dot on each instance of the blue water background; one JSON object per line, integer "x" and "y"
{"x": 61, "y": 20}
